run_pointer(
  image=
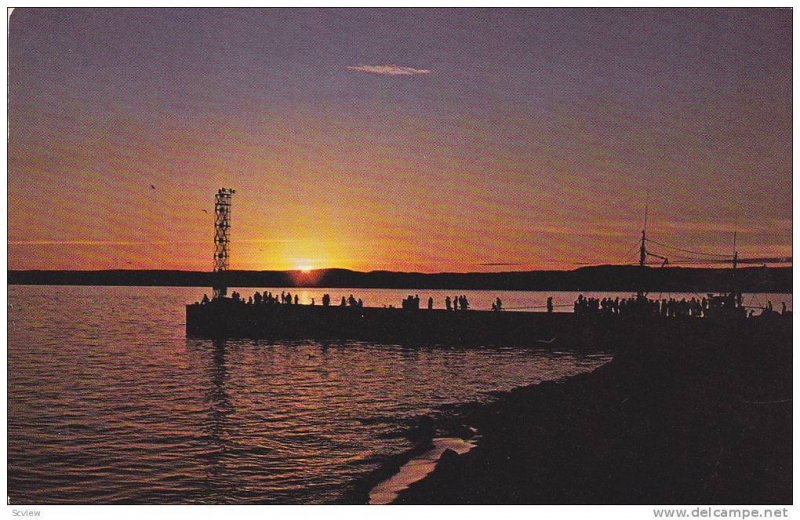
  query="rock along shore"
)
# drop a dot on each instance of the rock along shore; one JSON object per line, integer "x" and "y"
{"x": 699, "y": 417}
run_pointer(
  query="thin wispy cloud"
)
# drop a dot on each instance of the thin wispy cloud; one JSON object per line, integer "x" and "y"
{"x": 388, "y": 70}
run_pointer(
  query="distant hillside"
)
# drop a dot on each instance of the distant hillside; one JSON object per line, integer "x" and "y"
{"x": 598, "y": 278}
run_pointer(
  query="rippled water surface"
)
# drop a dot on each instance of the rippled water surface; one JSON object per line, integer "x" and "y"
{"x": 110, "y": 402}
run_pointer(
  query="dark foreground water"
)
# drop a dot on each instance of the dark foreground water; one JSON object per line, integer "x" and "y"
{"x": 108, "y": 401}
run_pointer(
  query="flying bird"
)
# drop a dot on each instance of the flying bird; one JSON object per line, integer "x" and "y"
{"x": 205, "y": 211}
{"x": 152, "y": 187}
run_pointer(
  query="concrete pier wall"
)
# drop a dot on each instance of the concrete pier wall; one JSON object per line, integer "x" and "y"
{"x": 229, "y": 319}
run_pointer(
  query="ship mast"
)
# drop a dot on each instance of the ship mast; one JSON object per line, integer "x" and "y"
{"x": 643, "y": 254}
{"x": 643, "y": 247}
{"x": 737, "y": 295}
{"x": 642, "y": 257}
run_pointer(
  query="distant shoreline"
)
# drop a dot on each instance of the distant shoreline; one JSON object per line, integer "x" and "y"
{"x": 596, "y": 278}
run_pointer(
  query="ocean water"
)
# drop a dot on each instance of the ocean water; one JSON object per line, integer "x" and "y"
{"x": 109, "y": 402}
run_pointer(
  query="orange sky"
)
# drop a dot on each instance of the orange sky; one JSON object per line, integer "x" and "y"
{"x": 492, "y": 150}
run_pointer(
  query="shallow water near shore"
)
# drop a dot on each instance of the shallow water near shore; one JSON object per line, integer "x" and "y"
{"x": 109, "y": 402}
{"x": 417, "y": 468}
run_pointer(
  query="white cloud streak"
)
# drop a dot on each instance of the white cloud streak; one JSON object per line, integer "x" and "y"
{"x": 388, "y": 70}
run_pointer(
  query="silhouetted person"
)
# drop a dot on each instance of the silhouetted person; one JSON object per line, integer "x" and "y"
{"x": 326, "y": 300}
{"x": 205, "y": 299}
{"x": 312, "y": 301}
{"x": 783, "y": 308}
{"x": 360, "y": 303}
{"x": 498, "y": 304}
{"x": 549, "y": 304}
{"x": 296, "y": 300}
{"x": 430, "y": 303}
{"x": 344, "y": 302}
{"x": 447, "y": 305}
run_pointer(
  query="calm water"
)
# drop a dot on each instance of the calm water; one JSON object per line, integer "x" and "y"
{"x": 109, "y": 402}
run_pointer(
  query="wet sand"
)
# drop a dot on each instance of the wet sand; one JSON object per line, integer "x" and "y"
{"x": 676, "y": 418}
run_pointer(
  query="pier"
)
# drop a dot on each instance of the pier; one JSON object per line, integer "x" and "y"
{"x": 228, "y": 318}
{"x": 595, "y": 323}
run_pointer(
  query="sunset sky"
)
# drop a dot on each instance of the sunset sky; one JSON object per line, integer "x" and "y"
{"x": 426, "y": 140}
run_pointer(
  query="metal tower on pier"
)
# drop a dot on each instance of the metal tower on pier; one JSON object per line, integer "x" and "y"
{"x": 222, "y": 226}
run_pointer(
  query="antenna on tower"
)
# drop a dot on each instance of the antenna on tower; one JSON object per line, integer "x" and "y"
{"x": 222, "y": 226}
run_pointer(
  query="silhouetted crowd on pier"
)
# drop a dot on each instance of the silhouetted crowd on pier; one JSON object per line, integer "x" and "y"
{"x": 729, "y": 304}
{"x": 265, "y": 298}
{"x": 667, "y": 308}
{"x": 411, "y": 302}
{"x": 451, "y": 304}
{"x": 285, "y": 298}
{"x": 351, "y": 302}
{"x": 457, "y": 303}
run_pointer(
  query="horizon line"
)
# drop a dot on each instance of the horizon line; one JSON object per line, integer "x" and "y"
{"x": 310, "y": 271}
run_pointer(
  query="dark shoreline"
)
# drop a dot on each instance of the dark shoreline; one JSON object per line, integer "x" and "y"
{"x": 703, "y": 419}
{"x": 602, "y": 278}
